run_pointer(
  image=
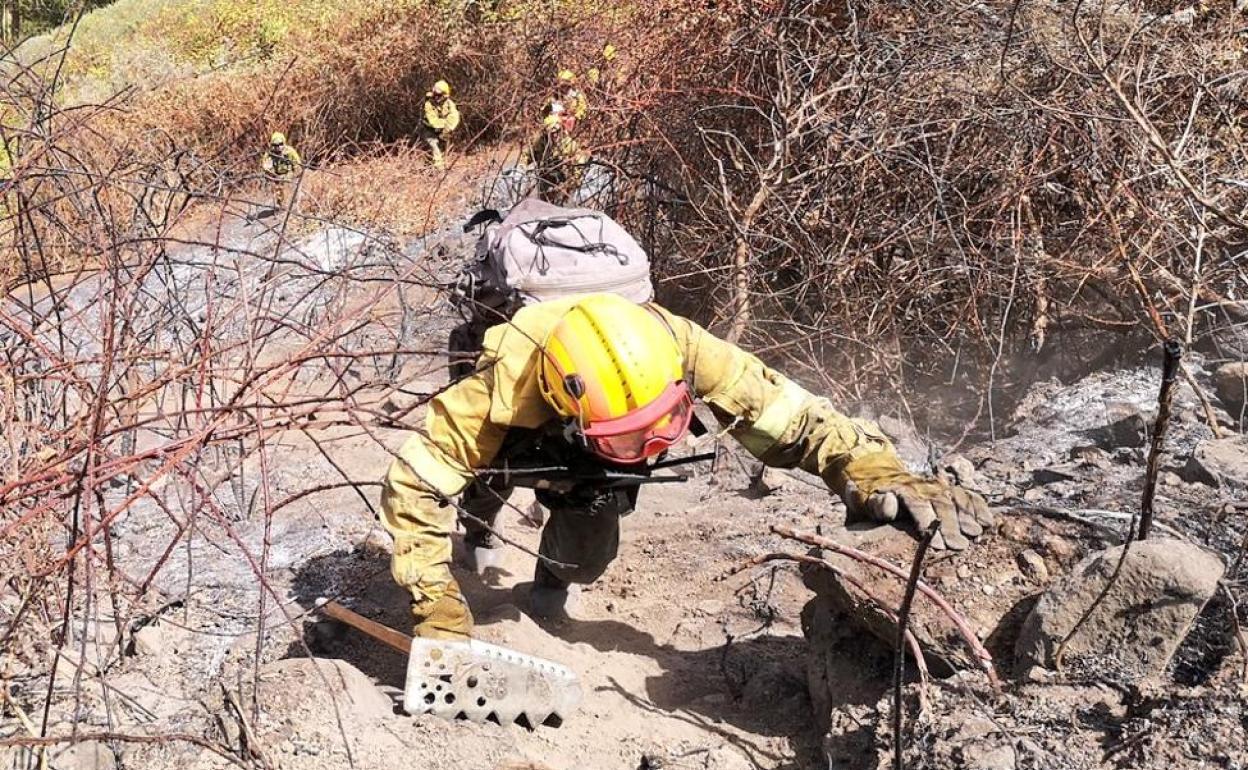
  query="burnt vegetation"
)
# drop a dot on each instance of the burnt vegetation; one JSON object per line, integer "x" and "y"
{"x": 952, "y": 199}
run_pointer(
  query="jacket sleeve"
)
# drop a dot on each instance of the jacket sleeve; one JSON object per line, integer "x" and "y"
{"x": 432, "y": 466}
{"x": 266, "y": 163}
{"x": 452, "y": 117}
{"x": 293, "y": 156}
{"x": 774, "y": 418}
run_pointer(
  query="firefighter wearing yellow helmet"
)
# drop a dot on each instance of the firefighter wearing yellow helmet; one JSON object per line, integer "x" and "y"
{"x": 439, "y": 120}
{"x": 557, "y": 159}
{"x": 598, "y": 381}
{"x": 570, "y": 97}
{"x": 280, "y": 164}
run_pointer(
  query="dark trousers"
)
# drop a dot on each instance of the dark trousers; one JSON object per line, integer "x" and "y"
{"x": 583, "y": 529}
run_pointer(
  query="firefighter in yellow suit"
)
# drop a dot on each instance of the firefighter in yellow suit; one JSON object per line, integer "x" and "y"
{"x": 439, "y": 121}
{"x": 613, "y": 383}
{"x": 557, "y": 159}
{"x": 280, "y": 165}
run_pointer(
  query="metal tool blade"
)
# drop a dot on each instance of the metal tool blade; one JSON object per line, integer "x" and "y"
{"x": 472, "y": 679}
{"x": 475, "y": 680}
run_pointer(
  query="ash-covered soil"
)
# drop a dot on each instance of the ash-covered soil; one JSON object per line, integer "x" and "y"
{"x": 683, "y": 663}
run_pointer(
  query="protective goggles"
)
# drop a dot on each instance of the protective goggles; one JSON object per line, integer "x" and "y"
{"x": 644, "y": 432}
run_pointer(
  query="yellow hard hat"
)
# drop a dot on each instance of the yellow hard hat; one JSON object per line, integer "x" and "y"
{"x": 442, "y": 87}
{"x": 567, "y": 76}
{"x": 612, "y": 369}
{"x": 277, "y": 138}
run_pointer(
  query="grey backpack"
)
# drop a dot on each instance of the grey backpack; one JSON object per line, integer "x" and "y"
{"x": 539, "y": 252}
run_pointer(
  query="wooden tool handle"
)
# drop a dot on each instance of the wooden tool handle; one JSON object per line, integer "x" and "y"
{"x": 384, "y": 634}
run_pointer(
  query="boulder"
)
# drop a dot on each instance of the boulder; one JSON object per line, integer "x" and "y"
{"x": 1032, "y": 565}
{"x": 1139, "y": 624}
{"x": 847, "y": 597}
{"x": 1231, "y": 381}
{"x": 1127, "y": 428}
{"x": 1219, "y": 462}
{"x": 961, "y": 469}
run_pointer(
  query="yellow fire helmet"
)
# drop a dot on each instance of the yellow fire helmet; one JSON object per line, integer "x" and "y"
{"x": 277, "y": 138}
{"x": 567, "y": 77}
{"x": 612, "y": 369}
{"x": 442, "y": 88}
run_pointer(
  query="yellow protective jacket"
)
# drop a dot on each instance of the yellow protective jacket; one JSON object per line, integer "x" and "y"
{"x": 774, "y": 418}
{"x": 575, "y": 103}
{"x": 440, "y": 118}
{"x": 551, "y": 150}
{"x": 283, "y": 164}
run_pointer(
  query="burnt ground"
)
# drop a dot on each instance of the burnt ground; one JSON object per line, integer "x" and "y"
{"x": 683, "y": 665}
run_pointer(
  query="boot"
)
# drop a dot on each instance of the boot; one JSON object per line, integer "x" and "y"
{"x": 551, "y": 598}
{"x": 482, "y": 552}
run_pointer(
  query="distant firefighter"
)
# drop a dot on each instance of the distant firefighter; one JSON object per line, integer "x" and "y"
{"x": 570, "y": 97}
{"x": 441, "y": 118}
{"x": 557, "y": 158}
{"x": 280, "y": 164}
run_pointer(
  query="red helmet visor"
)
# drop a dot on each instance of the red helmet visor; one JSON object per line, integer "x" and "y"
{"x": 644, "y": 432}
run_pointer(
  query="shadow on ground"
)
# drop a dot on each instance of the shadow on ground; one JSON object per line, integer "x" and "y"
{"x": 757, "y": 685}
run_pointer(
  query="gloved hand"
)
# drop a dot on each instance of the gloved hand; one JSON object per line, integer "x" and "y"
{"x": 879, "y": 488}
{"x": 446, "y": 617}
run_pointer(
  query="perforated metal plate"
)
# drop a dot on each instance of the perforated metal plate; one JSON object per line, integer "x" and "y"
{"x": 475, "y": 680}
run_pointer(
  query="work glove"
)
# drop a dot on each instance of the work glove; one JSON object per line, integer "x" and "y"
{"x": 446, "y": 617}
{"x": 879, "y": 488}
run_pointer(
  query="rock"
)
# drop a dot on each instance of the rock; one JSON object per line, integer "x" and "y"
{"x": 974, "y": 727}
{"x": 1059, "y": 548}
{"x": 843, "y": 595}
{"x": 964, "y": 571}
{"x": 1128, "y": 428}
{"x": 962, "y": 470}
{"x": 87, "y": 755}
{"x": 1017, "y": 528}
{"x": 1033, "y": 566}
{"x": 1139, "y": 624}
{"x": 1054, "y": 474}
{"x": 156, "y": 638}
{"x": 1091, "y": 456}
{"x": 1219, "y": 462}
{"x": 765, "y": 480}
{"x": 982, "y": 755}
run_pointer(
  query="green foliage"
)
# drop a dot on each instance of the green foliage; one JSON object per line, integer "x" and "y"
{"x": 24, "y": 18}
{"x": 143, "y": 42}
